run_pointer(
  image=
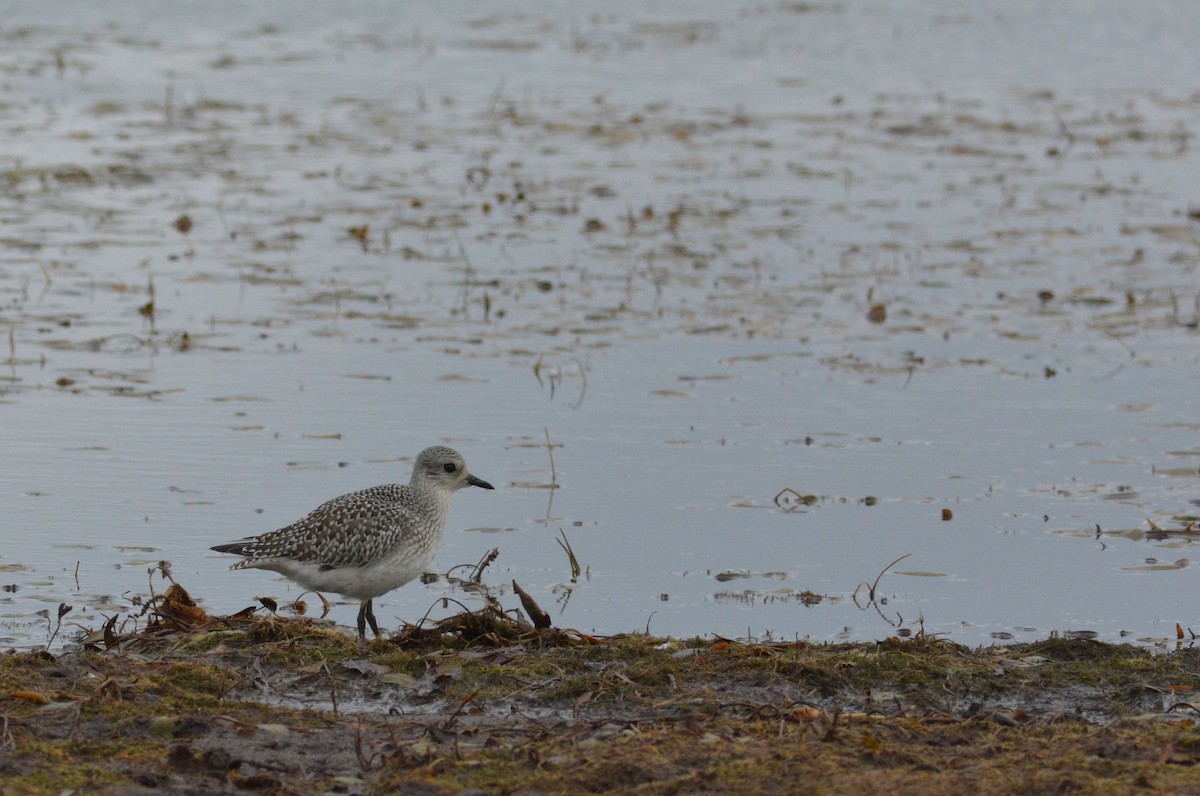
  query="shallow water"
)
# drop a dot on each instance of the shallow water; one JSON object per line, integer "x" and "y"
{"x": 838, "y": 249}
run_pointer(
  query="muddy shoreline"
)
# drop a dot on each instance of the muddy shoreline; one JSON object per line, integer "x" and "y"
{"x": 479, "y": 703}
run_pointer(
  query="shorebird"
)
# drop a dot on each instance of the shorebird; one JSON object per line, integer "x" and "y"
{"x": 365, "y": 543}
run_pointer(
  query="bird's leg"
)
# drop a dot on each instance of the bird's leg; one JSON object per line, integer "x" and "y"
{"x": 362, "y": 619}
{"x": 370, "y": 614}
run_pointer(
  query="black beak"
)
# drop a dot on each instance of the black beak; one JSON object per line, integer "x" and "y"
{"x": 473, "y": 481}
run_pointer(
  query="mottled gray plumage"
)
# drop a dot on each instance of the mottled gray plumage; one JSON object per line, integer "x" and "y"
{"x": 366, "y": 543}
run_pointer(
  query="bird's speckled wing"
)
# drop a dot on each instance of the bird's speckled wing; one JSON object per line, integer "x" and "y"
{"x": 352, "y": 530}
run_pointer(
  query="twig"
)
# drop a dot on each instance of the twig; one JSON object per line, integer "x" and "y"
{"x": 332, "y": 687}
{"x": 165, "y": 568}
{"x": 6, "y": 738}
{"x": 1120, "y": 342}
{"x": 63, "y": 610}
{"x": 537, "y": 370}
{"x": 583, "y": 389}
{"x": 871, "y": 588}
{"x": 484, "y": 563}
{"x": 445, "y": 600}
{"x": 364, "y": 763}
{"x": 458, "y": 711}
{"x": 565, "y": 544}
{"x": 550, "y": 453}
{"x": 831, "y": 733}
{"x": 326, "y": 606}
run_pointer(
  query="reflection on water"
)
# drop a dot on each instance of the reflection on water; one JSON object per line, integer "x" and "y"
{"x": 769, "y": 308}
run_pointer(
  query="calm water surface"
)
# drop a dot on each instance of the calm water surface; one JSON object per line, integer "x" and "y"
{"x": 723, "y": 257}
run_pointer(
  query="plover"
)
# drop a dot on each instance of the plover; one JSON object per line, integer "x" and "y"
{"x": 366, "y": 543}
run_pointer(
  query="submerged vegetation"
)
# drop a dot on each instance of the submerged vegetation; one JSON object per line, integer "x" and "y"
{"x": 480, "y": 700}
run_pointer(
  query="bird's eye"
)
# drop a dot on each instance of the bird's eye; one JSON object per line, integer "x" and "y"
{"x": 449, "y": 467}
